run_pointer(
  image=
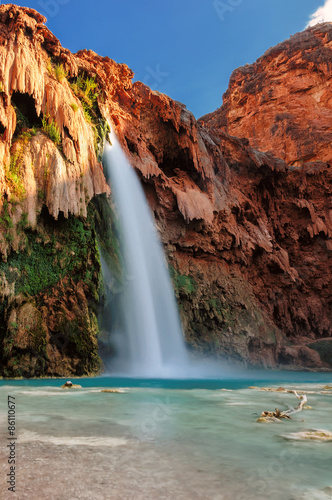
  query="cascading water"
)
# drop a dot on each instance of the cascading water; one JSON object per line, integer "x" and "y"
{"x": 152, "y": 341}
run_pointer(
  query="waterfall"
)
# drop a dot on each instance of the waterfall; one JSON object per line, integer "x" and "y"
{"x": 150, "y": 342}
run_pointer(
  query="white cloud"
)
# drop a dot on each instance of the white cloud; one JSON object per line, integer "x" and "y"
{"x": 323, "y": 14}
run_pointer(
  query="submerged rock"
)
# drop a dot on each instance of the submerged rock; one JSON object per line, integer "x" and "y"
{"x": 268, "y": 419}
{"x": 310, "y": 435}
{"x": 112, "y": 391}
{"x": 271, "y": 389}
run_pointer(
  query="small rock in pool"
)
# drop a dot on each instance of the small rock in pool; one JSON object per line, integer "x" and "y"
{"x": 268, "y": 420}
{"x": 262, "y": 419}
{"x": 70, "y": 385}
{"x": 111, "y": 391}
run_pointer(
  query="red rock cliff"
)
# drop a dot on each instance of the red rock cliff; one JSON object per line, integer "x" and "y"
{"x": 253, "y": 232}
{"x": 283, "y": 102}
{"x": 248, "y": 236}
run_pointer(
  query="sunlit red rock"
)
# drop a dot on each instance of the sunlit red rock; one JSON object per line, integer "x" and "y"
{"x": 283, "y": 102}
{"x": 25, "y": 51}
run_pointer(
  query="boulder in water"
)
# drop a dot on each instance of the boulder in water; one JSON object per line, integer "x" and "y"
{"x": 70, "y": 385}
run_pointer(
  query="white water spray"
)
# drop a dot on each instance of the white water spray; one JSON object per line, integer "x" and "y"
{"x": 152, "y": 342}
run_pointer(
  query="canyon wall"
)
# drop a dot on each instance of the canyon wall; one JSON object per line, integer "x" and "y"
{"x": 283, "y": 103}
{"x": 247, "y": 234}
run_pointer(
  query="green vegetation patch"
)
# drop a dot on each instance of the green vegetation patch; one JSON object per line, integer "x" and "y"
{"x": 86, "y": 90}
{"x": 82, "y": 337}
{"x": 13, "y": 174}
{"x": 108, "y": 235}
{"x": 60, "y": 72}
{"x": 56, "y": 251}
{"x": 52, "y": 290}
{"x": 5, "y": 219}
{"x": 51, "y": 129}
{"x": 183, "y": 284}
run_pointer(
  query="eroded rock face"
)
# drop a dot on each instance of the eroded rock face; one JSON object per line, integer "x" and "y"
{"x": 247, "y": 236}
{"x": 283, "y": 102}
{"x": 32, "y": 83}
{"x": 220, "y": 204}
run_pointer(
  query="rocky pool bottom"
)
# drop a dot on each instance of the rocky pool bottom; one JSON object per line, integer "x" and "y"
{"x": 193, "y": 439}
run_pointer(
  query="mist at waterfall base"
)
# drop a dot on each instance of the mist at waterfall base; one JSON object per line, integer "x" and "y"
{"x": 143, "y": 318}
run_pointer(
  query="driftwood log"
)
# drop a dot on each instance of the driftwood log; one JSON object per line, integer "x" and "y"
{"x": 277, "y": 415}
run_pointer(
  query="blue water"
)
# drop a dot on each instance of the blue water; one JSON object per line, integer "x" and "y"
{"x": 242, "y": 380}
{"x": 169, "y": 439}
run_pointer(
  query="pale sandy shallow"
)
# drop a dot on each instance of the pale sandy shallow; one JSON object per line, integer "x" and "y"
{"x": 75, "y": 472}
{"x": 86, "y": 473}
{"x": 83, "y": 441}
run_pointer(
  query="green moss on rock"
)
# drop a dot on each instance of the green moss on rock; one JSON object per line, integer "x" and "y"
{"x": 183, "y": 284}
{"x": 49, "y": 296}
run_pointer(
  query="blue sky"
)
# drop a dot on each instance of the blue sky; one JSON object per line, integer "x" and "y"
{"x": 184, "y": 48}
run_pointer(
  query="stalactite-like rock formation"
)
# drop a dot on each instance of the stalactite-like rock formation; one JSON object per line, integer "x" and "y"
{"x": 34, "y": 75}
